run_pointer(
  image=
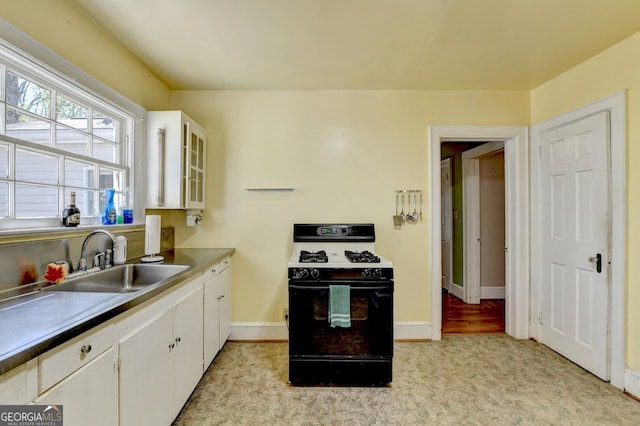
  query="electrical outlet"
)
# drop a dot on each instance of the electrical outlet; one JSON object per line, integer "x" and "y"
{"x": 285, "y": 313}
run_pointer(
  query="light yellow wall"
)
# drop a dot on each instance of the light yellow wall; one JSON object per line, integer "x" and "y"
{"x": 616, "y": 69}
{"x": 344, "y": 153}
{"x": 61, "y": 27}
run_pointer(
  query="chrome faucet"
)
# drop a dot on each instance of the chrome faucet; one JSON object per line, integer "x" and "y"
{"x": 82, "y": 264}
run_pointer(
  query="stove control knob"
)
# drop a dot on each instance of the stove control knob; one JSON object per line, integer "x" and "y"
{"x": 366, "y": 273}
{"x": 303, "y": 273}
{"x": 315, "y": 274}
{"x": 377, "y": 273}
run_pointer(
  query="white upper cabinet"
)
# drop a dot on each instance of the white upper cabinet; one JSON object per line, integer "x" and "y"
{"x": 176, "y": 161}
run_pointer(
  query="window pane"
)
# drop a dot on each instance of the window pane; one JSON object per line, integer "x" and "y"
{"x": 105, "y": 151}
{"x": 85, "y": 201}
{"x": 71, "y": 140}
{"x": 36, "y": 201}
{"x": 104, "y": 126}
{"x": 4, "y": 199}
{"x": 110, "y": 179}
{"x": 36, "y": 167}
{"x": 25, "y": 127}
{"x": 27, "y": 95}
{"x": 4, "y": 161}
{"x": 71, "y": 114}
{"x": 79, "y": 174}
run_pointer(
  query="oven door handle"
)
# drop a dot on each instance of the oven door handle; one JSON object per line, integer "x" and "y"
{"x": 381, "y": 288}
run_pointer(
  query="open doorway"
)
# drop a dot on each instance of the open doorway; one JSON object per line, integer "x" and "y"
{"x": 473, "y": 237}
{"x": 515, "y": 139}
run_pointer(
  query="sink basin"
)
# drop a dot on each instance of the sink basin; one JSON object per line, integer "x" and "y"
{"x": 119, "y": 279}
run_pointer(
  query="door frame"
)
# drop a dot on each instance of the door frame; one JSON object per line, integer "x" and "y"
{"x": 616, "y": 106}
{"x": 471, "y": 209}
{"x": 516, "y": 153}
{"x": 448, "y": 209}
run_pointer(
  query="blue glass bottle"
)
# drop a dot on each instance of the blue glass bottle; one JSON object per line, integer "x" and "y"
{"x": 109, "y": 214}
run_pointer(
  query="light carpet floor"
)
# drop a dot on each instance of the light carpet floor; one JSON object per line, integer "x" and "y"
{"x": 487, "y": 379}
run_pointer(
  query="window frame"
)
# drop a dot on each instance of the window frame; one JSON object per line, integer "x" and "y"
{"x": 34, "y": 61}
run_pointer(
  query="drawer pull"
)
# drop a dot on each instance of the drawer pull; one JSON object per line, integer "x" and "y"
{"x": 85, "y": 349}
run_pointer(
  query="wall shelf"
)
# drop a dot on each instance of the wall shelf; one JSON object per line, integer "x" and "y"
{"x": 269, "y": 189}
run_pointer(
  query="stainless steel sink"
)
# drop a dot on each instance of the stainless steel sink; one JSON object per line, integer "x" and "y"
{"x": 119, "y": 279}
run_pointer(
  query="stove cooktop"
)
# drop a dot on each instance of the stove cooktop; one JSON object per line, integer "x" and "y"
{"x": 337, "y": 258}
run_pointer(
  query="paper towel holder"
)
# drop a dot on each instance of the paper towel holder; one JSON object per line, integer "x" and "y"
{"x": 152, "y": 240}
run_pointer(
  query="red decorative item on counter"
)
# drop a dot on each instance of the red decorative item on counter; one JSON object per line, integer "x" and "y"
{"x": 55, "y": 273}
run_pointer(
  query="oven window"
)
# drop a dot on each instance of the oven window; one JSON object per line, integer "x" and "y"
{"x": 359, "y": 309}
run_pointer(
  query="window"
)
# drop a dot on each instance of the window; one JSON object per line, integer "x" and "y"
{"x": 57, "y": 137}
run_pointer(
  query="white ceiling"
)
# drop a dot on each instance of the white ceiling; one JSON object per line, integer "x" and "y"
{"x": 363, "y": 44}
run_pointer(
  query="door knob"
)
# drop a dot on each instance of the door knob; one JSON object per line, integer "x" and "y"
{"x": 598, "y": 261}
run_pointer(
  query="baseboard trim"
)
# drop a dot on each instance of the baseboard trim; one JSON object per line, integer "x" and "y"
{"x": 492, "y": 292}
{"x": 457, "y": 291}
{"x": 418, "y": 330}
{"x": 259, "y": 331}
{"x": 632, "y": 382}
{"x": 277, "y": 331}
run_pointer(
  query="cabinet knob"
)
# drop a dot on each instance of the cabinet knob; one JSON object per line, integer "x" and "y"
{"x": 178, "y": 339}
{"x": 85, "y": 349}
{"x": 171, "y": 346}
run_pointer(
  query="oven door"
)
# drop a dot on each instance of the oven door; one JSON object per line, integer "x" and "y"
{"x": 370, "y": 334}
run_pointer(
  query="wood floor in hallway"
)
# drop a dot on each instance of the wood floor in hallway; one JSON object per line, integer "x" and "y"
{"x": 459, "y": 317}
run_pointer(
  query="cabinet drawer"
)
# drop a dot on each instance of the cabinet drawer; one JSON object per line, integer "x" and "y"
{"x": 60, "y": 362}
{"x": 211, "y": 271}
{"x": 224, "y": 264}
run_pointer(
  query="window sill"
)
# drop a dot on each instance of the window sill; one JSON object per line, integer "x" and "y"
{"x": 23, "y": 235}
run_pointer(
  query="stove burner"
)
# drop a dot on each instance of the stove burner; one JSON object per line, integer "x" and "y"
{"x": 361, "y": 257}
{"x": 313, "y": 257}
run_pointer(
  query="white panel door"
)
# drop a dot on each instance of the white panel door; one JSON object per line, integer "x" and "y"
{"x": 575, "y": 231}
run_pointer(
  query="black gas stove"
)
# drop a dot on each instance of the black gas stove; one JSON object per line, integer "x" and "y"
{"x": 331, "y": 259}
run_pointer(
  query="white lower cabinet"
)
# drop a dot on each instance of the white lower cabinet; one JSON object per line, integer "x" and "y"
{"x": 145, "y": 374}
{"x": 137, "y": 369}
{"x": 89, "y": 395}
{"x": 187, "y": 365}
{"x": 217, "y": 308}
{"x": 20, "y": 385}
{"x": 161, "y": 364}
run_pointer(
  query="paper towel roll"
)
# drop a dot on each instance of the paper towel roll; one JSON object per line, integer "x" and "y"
{"x": 152, "y": 239}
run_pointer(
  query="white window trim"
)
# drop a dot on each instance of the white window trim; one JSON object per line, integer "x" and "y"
{"x": 12, "y": 38}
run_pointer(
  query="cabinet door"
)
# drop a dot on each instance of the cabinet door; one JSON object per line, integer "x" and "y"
{"x": 145, "y": 374}
{"x": 195, "y": 156}
{"x": 88, "y": 396}
{"x": 20, "y": 385}
{"x": 211, "y": 320}
{"x": 187, "y": 354}
{"x": 224, "y": 279}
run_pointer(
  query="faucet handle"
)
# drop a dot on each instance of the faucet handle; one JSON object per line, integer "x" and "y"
{"x": 82, "y": 264}
{"x": 107, "y": 259}
{"x": 96, "y": 259}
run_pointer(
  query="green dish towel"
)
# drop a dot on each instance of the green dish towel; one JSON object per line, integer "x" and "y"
{"x": 340, "y": 306}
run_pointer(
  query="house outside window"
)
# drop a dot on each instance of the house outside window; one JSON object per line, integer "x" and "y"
{"x": 57, "y": 137}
